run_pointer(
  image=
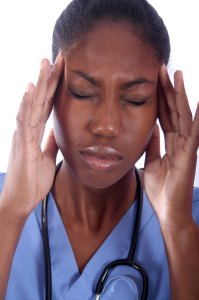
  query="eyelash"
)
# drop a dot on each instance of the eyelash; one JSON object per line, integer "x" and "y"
{"x": 136, "y": 103}
{"x": 80, "y": 97}
{"x": 130, "y": 102}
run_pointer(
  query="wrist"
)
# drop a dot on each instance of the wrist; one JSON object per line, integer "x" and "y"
{"x": 177, "y": 221}
{"x": 182, "y": 251}
{"x": 10, "y": 215}
{"x": 180, "y": 236}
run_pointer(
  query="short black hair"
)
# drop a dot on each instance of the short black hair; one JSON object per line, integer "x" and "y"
{"x": 80, "y": 16}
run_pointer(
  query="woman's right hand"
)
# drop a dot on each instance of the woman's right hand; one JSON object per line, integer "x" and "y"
{"x": 30, "y": 171}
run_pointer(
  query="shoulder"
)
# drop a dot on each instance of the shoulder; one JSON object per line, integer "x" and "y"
{"x": 196, "y": 194}
{"x": 195, "y": 205}
{"x": 2, "y": 179}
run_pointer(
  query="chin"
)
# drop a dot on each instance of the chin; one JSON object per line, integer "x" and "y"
{"x": 100, "y": 181}
{"x": 99, "y": 185}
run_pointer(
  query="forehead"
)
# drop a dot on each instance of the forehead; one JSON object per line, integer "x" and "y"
{"x": 111, "y": 49}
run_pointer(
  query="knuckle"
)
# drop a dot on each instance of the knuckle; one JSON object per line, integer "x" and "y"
{"x": 181, "y": 115}
{"x": 44, "y": 118}
{"x": 50, "y": 102}
{"x": 183, "y": 136}
{"x": 34, "y": 125}
{"x": 172, "y": 110}
{"x": 175, "y": 128}
{"x": 177, "y": 93}
{"x": 42, "y": 79}
{"x": 41, "y": 104}
{"x": 19, "y": 121}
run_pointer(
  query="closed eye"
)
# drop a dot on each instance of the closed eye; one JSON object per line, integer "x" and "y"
{"x": 136, "y": 103}
{"x": 80, "y": 96}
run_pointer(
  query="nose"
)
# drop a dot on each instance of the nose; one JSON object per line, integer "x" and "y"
{"x": 106, "y": 121}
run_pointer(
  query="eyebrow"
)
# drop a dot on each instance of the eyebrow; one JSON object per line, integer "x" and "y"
{"x": 86, "y": 77}
{"x": 123, "y": 86}
{"x": 138, "y": 81}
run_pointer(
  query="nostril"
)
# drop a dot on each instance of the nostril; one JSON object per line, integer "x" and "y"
{"x": 106, "y": 130}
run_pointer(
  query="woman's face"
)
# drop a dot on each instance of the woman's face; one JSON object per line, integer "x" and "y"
{"x": 107, "y": 97}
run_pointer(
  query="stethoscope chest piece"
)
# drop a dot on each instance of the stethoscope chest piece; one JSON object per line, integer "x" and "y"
{"x": 119, "y": 287}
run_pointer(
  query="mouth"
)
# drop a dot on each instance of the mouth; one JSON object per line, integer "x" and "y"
{"x": 101, "y": 158}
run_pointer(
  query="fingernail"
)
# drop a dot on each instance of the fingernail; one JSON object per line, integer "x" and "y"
{"x": 58, "y": 57}
{"x": 42, "y": 63}
{"x": 28, "y": 87}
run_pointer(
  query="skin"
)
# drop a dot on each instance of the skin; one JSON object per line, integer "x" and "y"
{"x": 91, "y": 202}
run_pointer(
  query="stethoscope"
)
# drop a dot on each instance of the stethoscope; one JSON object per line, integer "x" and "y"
{"x": 128, "y": 262}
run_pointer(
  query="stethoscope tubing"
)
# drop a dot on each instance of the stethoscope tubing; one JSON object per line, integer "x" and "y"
{"x": 46, "y": 249}
{"x": 46, "y": 242}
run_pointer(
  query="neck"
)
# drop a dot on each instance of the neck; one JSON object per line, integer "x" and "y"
{"x": 92, "y": 208}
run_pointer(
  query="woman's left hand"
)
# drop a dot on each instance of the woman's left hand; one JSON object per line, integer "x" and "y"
{"x": 169, "y": 180}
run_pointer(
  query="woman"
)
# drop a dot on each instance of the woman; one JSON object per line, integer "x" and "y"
{"x": 107, "y": 87}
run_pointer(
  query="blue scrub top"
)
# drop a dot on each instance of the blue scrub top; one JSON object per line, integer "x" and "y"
{"x": 27, "y": 277}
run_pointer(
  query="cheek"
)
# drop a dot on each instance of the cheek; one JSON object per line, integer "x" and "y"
{"x": 67, "y": 119}
{"x": 71, "y": 126}
{"x": 139, "y": 130}
{"x": 66, "y": 126}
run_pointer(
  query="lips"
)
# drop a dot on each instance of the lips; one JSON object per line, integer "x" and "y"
{"x": 101, "y": 158}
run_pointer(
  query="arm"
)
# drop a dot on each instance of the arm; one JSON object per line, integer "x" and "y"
{"x": 10, "y": 230}
{"x": 182, "y": 250}
{"x": 169, "y": 185}
{"x": 30, "y": 172}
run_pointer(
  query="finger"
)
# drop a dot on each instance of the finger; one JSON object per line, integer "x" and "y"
{"x": 40, "y": 93}
{"x": 183, "y": 110}
{"x": 51, "y": 148}
{"x": 23, "y": 119}
{"x": 192, "y": 144}
{"x": 153, "y": 149}
{"x": 169, "y": 94}
{"x": 53, "y": 82}
{"x": 163, "y": 113}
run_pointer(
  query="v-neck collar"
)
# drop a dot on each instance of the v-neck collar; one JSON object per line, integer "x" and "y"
{"x": 72, "y": 285}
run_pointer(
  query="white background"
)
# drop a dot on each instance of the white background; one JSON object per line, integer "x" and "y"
{"x": 26, "y": 32}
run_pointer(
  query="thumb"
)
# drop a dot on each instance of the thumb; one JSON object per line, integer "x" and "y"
{"x": 153, "y": 149}
{"x": 51, "y": 148}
